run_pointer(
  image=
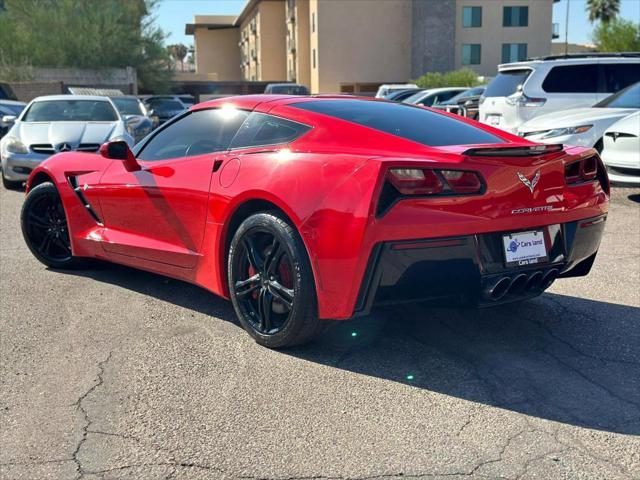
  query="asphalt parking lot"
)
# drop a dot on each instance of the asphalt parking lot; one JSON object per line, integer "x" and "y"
{"x": 115, "y": 373}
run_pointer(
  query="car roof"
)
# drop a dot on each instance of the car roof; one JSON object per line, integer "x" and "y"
{"x": 581, "y": 60}
{"x": 252, "y": 102}
{"x": 11, "y": 102}
{"x": 131, "y": 97}
{"x": 244, "y": 102}
{"x": 71, "y": 97}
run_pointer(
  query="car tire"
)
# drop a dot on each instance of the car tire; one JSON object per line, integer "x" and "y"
{"x": 45, "y": 229}
{"x": 11, "y": 184}
{"x": 271, "y": 283}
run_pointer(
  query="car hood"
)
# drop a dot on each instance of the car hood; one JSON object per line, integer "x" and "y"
{"x": 56, "y": 133}
{"x": 629, "y": 124}
{"x": 574, "y": 117}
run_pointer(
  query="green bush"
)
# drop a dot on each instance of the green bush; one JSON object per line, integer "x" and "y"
{"x": 465, "y": 77}
{"x": 617, "y": 35}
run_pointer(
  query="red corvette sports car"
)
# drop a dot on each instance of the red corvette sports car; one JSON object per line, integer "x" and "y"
{"x": 307, "y": 208}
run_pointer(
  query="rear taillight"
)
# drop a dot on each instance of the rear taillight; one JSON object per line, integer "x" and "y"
{"x": 584, "y": 170}
{"x": 426, "y": 182}
{"x": 415, "y": 181}
{"x": 462, "y": 182}
{"x": 423, "y": 181}
{"x": 522, "y": 100}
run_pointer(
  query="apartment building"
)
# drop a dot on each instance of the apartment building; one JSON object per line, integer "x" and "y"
{"x": 355, "y": 45}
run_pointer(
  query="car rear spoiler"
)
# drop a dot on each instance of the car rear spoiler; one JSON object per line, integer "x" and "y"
{"x": 519, "y": 151}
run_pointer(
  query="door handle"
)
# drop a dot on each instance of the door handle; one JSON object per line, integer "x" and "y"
{"x": 217, "y": 163}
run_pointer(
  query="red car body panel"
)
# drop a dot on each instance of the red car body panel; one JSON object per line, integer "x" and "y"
{"x": 172, "y": 216}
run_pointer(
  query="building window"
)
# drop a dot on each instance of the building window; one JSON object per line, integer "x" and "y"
{"x": 314, "y": 58}
{"x": 471, "y": 54}
{"x": 514, "y": 52}
{"x": 471, "y": 17}
{"x": 515, "y": 17}
{"x": 313, "y": 21}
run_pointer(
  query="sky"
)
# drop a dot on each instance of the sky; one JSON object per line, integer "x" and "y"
{"x": 173, "y": 15}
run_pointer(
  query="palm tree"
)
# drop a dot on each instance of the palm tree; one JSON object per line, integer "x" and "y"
{"x": 603, "y": 10}
{"x": 178, "y": 52}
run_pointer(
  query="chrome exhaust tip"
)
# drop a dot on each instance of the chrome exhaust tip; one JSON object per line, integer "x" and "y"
{"x": 533, "y": 282}
{"x": 549, "y": 278}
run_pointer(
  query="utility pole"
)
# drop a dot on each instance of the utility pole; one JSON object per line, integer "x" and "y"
{"x": 566, "y": 30}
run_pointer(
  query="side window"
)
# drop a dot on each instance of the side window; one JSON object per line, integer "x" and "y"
{"x": 620, "y": 75}
{"x": 197, "y": 133}
{"x": 427, "y": 101}
{"x": 572, "y": 79}
{"x": 262, "y": 129}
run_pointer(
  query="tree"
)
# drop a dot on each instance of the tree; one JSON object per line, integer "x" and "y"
{"x": 603, "y": 10}
{"x": 617, "y": 35}
{"x": 464, "y": 77}
{"x": 85, "y": 34}
{"x": 178, "y": 51}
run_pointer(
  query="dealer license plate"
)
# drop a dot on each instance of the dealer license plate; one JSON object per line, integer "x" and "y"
{"x": 524, "y": 248}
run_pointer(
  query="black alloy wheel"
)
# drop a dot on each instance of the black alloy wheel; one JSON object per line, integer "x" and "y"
{"x": 271, "y": 282}
{"x": 44, "y": 227}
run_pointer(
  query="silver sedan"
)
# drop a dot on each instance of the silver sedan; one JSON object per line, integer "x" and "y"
{"x": 58, "y": 123}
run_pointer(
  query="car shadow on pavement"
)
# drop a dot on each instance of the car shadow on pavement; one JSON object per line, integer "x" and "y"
{"x": 561, "y": 358}
{"x": 556, "y": 357}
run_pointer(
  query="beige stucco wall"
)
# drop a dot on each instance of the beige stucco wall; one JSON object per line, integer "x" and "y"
{"x": 264, "y": 31}
{"x": 492, "y": 34}
{"x": 360, "y": 41}
{"x": 217, "y": 52}
{"x": 297, "y": 27}
{"x": 272, "y": 41}
{"x": 248, "y": 32}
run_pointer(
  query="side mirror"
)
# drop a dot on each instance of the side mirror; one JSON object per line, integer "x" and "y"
{"x": 119, "y": 150}
{"x": 8, "y": 120}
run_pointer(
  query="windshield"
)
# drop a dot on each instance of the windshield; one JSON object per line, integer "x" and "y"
{"x": 128, "y": 106}
{"x": 188, "y": 101}
{"x": 415, "y": 97}
{"x": 627, "y": 98}
{"x": 14, "y": 109}
{"x": 71, "y": 111}
{"x": 166, "y": 105}
{"x": 506, "y": 83}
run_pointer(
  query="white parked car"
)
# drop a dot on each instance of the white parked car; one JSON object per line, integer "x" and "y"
{"x": 384, "y": 90}
{"x": 58, "y": 123}
{"x": 621, "y": 150}
{"x": 524, "y": 90}
{"x": 433, "y": 96}
{"x": 583, "y": 127}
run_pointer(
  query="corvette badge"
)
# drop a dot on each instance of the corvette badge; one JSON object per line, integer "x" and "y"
{"x": 530, "y": 184}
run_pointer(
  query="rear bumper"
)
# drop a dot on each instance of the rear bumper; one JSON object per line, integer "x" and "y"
{"x": 623, "y": 175}
{"x": 466, "y": 270}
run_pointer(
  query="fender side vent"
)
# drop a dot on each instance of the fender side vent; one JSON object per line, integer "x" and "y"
{"x": 78, "y": 191}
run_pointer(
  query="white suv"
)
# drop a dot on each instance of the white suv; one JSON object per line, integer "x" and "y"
{"x": 524, "y": 90}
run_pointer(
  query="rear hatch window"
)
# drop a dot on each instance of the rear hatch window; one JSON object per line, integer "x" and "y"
{"x": 405, "y": 121}
{"x": 506, "y": 83}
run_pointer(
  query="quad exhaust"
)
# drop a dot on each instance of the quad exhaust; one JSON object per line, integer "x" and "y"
{"x": 549, "y": 278}
{"x": 497, "y": 288}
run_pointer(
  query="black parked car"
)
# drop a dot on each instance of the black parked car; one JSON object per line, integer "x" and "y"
{"x": 161, "y": 108}
{"x": 465, "y": 103}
